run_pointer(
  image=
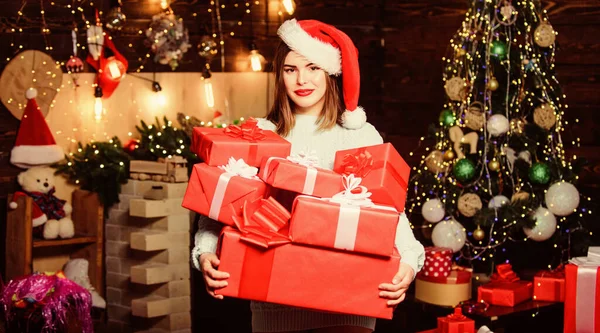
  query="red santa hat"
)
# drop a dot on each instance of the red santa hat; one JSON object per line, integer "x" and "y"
{"x": 35, "y": 144}
{"x": 333, "y": 51}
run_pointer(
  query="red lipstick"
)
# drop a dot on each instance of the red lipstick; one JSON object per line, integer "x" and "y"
{"x": 303, "y": 92}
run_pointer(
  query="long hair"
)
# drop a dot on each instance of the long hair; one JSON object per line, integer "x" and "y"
{"x": 282, "y": 112}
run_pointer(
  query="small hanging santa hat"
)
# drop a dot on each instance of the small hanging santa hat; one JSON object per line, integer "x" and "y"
{"x": 35, "y": 144}
{"x": 333, "y": 51}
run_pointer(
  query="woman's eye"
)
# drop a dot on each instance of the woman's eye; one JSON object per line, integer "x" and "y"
{"x": 314, "y": 68}
{"x": 289, "y": 70}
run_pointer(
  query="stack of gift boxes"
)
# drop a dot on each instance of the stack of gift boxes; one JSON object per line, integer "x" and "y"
{"x": 335, "y": 237}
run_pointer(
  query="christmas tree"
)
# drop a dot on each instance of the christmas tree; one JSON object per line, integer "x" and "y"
{"x": 498, "y": 185}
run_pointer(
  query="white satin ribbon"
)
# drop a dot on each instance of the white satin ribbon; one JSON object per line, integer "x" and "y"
{"x": 310, "y": 161}
{"x": 233, "y": 168}
{"x": 585, "y": 302}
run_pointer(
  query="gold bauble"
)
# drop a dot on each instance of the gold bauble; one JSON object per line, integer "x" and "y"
{"x": 519, "y": 196}
{"x": 435, "y": 161}
{"x": 493, "y": 84}
{"x": 494, "y": 165}
{"x": 449, "y": 155}
{"x": 469, "y": 204}
{"x": 460, "y": 52}
{"x": 474, "y": 116}
{"x": 478, "y": 234}
{"x": 544, "y": 35}
{"x": 544, "y": 116}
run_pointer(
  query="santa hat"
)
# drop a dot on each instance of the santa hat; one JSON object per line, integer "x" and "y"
{"x": 333, "y": 51}
{"x": 35, "y": 144}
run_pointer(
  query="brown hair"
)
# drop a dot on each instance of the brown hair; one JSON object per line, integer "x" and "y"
{"x": 282, "y": 113}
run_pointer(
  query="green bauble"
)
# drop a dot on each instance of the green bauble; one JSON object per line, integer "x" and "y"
{"x": 464, "y": 170}
{"x": 498, "y": 49}
{"x": 539, "y": 173}
{"x": 447, "y": 118}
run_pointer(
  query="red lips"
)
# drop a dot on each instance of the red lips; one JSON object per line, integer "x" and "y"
{"x": 303, "y": 92}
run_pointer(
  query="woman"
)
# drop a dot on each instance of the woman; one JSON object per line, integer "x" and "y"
{"x": 314, "y": 114}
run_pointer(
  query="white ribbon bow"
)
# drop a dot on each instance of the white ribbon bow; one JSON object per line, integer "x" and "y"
{"x": 306, "y": 159}
{"x": 239, "y": 168}
{"x": 350, "y": 197}
{"x": 592, "y": 259}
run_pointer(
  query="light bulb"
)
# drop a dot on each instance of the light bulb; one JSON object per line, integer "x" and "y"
{"x": 164, "y": 4}
{"x": 98, "y": 108}
{"x": 289, "y": 6}
{"x": 256, "y": 60}
{"x": 160, "y": 99}
{"x": 208, "y": 92}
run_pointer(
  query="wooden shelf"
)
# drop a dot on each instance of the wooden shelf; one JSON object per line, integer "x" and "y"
{"x": 61, "y": 242}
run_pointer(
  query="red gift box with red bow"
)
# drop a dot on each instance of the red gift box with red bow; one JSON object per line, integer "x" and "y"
{"x": 382, "y": 169}
{"x": 455, "y": 323}
{"x": 248, "y": 142}
{"x": 505, "y": 288}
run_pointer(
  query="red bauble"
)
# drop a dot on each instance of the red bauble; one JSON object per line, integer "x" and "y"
{"x": 130, "y": 145}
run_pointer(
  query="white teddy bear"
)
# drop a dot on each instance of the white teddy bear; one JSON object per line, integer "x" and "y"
{"x": 48, "y": 210}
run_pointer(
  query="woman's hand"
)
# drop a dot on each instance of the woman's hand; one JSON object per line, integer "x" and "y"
{"x": 396, "y": 291}
{"x": 213, "y": 278}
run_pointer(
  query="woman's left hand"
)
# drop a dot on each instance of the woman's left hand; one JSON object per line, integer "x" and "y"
{"x": 396, "y": 291}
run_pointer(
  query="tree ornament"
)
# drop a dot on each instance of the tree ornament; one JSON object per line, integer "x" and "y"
{"x": 544, "y": 116}
{"x": 460, "y": 52}
{"x": 493, "y": 84}
{"x": 115, "y": 19}
{"x": 498, "y": 201}
{"x": 562, "y": 198}
{"x": 433, "y": 210}
{"x": 528, "y": 64}
{"x": 507, "y": 14}
{"x": 131, "y": 145}
{"x": 447, "y": 118}
{"x": 474, "y": 116}
{"x": 545, "y": 225}
{"x": 478, "y": 234}
{"x": 450, "y": 234}
{"x": 494, "y": 165}
{"x": 539, "y": 173}
{"x": 519, "y": 196}
{"x": 469, "y": 204}
{"x": 456, "y": 135}
{"x": 544, "y": 35}
{"x": 464, "y": 170}
{"x": 497, "y": 125}
{"x": 168, "y": 39}
{"x": 456, "y": 88}
{"x": 435, "y": 161}
{"x": 208, "y": 48}
{"x": 498, "y": 49}
{"x": 449, "y": 155}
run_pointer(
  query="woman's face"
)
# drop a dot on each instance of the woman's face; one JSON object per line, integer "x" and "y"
{"x": 305, "y": 83}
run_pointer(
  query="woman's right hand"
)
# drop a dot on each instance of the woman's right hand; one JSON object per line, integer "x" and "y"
{"x": 213, "y": 278}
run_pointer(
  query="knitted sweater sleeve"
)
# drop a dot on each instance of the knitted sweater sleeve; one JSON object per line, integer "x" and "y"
{"x": 410, "y": 249}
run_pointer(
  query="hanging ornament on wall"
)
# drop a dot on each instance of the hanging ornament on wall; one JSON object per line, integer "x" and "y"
{"x": 469, "y": 204}
{"x": 478, "y": 234}
{"x": 464, "y": 170}
{"x": 562, "y": 198}
{"x": 545, "y": 225}
{"x": 110, "y": 70}
{"x": 447, "y": 118}
{"x": 498, "y": 201}
{"x": 497, "y": 125}
{"x": 493, "y": 84}
{"x": 474, "y": 118}
{"x": 450, "y": 234}
{"x": 544, "y": 116}
{"x": 115, "y": 19}
{"x": 95, "y": 39}
{"x": 544, "y": 35}
{"x": 207, "y": 48}
{"x": 74, "y": 65}
{"x": 435, "y": 162}
{"x": 449, "y": 155}
{"x": 519, "y": 196}
{"x": 433, "y": 210}
{"x": 456, "y": 88}
{"x": 498, "y": 49}
{"x": 539, "y": 173}
{"x": 456, "y": 135}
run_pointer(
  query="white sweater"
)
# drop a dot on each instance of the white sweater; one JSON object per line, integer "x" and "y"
{"x": 306, "y": 137}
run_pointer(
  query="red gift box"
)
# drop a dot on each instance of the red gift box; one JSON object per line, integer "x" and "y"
{"x": 328, "y": 224}
{"x": 582, "y": 295}
{"x": 438, "y": 262}
{"x": 305, "y": 277}
{"x": 248, "y": 142}
{"x": 382, "y": 169}
{"x": 455, "y": 323}
{"x": 301, "y": 177}
{"x": 549, "y": 286}
{"x": 220, "y": 195}
{"x": 505, "y": 288}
